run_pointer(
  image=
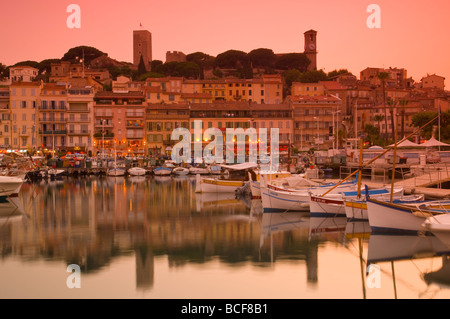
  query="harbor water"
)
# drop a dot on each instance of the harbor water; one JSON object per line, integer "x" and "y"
{"x": 155, "y": 238}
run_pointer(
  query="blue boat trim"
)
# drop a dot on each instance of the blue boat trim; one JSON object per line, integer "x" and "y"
{"x": 327, "y": 215}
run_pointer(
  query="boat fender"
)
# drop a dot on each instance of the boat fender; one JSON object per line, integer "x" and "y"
{"x": 422, "y": 214}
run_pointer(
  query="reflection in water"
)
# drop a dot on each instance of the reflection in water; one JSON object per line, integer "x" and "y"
{"x": 94, "y": 221}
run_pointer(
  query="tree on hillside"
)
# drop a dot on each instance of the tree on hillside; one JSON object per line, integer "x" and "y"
{"x": 262, "y": 58}
{"x": 338, "y": 72}
{"x": 89, "y": 54}
{"x": 155, "y": 64}
{"x": 313, "y": 76}
{"x": 291, "y": 61}
{"x": 231, "y": 59}
{"x": 33, "y": 64}
{"x": 3, "y": 70}
{"x": 46, "y": 65}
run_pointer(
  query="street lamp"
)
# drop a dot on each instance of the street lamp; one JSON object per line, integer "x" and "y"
{"x": 317, "y": 139}
{"x": 335, "y": 138}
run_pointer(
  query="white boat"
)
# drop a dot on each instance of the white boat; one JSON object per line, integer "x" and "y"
{"x": 198, "y": 170}
{"x": 280, "y": 200}
{"x": 56, "y": 172}
{"x": 357, "y": 209}
{"x": 116, "y": 171}
{"x": 440, "y": 227}
{"x": 255, "y": 184}
{"x": 181, "y": 171}
{"x": 334, "y": 204}
{"x": 162, "y": 171}
{"x": 217, "y": 185}
{"x": 390, "y": 217}
{"x": 10, "y": 186}
{"x": 137, "y": 171}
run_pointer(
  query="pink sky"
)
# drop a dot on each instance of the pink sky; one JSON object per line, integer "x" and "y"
{"x": 413, "y": 34}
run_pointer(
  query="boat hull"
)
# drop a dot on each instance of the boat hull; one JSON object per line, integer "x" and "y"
{"x": 10, "y": 186}
{"x": 390, "y": 217}
{"x": 137, "y": 171}
{"x": 213, "y": 185}
{"x": 162, "y": 171}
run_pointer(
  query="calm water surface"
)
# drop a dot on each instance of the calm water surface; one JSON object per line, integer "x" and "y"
{"x": 149, "y": 237}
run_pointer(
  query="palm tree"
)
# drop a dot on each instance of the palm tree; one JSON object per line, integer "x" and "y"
{"x": 379, "y": 118}
{"x": 383, "y": 76}
{"x": 403, "y": 102}
{"x": 392, "y": 104}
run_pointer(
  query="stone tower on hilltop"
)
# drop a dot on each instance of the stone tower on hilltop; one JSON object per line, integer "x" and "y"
{"x": 142, "y": 46}
{"x": 311, "y": 48}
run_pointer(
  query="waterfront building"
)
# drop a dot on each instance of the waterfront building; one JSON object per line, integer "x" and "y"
{"x": 80, "y": 119}
{"x": 5, "y": 120}
{"x": 313, "y": 118}
{"x": 271, "y": 116}
{"x": 52, "y": 117}
{"x": 161, "y": 120}
{"x": 120, "y": 122}
{"x": 24, "y": 99}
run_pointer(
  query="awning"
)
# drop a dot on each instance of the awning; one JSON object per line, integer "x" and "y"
{"x": 240, "y": 166}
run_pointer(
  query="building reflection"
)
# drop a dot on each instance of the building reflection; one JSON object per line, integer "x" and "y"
{"x": 90, "y": 221}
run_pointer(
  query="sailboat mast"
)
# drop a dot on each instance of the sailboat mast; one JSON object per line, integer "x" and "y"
{"x": 393, "y": 164}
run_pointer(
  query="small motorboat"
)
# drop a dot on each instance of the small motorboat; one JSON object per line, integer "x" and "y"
{"x": 137, "y": 171}
{"x": 181, "y": 171}
{"x": 162, "y": 171}
{"x": 198, "y": 170}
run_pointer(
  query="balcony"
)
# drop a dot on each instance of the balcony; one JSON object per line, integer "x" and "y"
{"x": 134, "y": 137}
{"x": 79, "y": 132}
{"x": 136, "y": 115}
{"x": 42, "y": 132}
{"x": 52, "y": 120}
{"x": 103, "y": 114}
{"x": 105, "y": 136}
{"x": 106, "y": 125}
{"x": 135, "y": 125}
{"x": 79, "y": 120}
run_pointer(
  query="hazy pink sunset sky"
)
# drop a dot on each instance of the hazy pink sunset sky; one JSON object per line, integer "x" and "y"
{"x": 413, "y": 34}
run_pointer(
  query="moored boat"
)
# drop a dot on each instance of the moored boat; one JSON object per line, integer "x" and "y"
{"x": 10, "y": 186}
{"x": 181, "y": 171}
{"x": 137, "y": 171}
{"x": 391, "y": 217}
{"x": 162, "y": 171}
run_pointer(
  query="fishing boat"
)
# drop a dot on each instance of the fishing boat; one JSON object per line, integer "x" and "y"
{"x": 334, "y": 204}
{"x": 181, "y": 171}
{"x": 10, "y": 186}
{"x": 137, "y": 171}
{"x": 116, "y": 171}
{"x": 277, "y": 199}
{"x": 356, "y": 209}
{"x": 392, "y": 217}
{"x": 255, "y": 184}
{"x": 226, "y": 185}
{"x": 217, "y": 185}
{"x": 440, "y": 227}
{"x": 162, "y": 171}
{"x": 198, "y": 170}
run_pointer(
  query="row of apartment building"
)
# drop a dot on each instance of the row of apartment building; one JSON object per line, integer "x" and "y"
{"x": 139, "y": 117}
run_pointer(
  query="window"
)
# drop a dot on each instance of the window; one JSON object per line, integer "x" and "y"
{"x": 24, "y": 117}
{"x": 6, "y": 130}
{"x": 23, "y": 104}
